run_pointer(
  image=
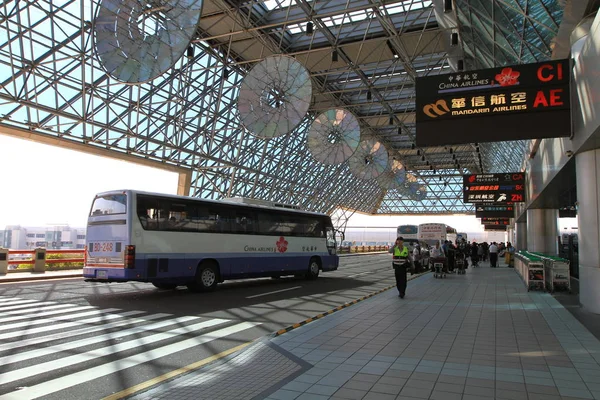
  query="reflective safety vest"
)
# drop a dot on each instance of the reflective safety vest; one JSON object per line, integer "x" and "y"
{"x": 401, "y": 254}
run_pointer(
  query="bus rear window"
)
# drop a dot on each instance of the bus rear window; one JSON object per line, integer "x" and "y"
{"x": 109, "y": 205}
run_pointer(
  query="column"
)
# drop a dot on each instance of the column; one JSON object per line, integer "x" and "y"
{"x": 521, "y": 233}
{"x": 587, "y": 166}
{"x": 542, "y": 230}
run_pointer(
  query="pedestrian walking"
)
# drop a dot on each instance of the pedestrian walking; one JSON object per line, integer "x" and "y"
{"x": 493, "y": 254}
{"x": 400, "y": 263}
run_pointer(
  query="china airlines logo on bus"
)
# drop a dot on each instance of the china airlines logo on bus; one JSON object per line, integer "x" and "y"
{"x": 282, "y": 245}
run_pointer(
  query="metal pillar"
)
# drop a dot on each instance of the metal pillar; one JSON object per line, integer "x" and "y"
{"x": 511, "y": 235}
{"x": 521, "y": 234}
{"x": 542, "y": 230}
{"x": 587, "y": 166}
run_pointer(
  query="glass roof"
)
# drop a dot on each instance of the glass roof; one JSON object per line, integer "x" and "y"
{"x": 363, "y": 56}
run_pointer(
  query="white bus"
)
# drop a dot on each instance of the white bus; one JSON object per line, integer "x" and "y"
{"x": 462, "y": 235}
{"x": 408, "y": 232}
{"x": 174, "y": 240}
{"x": 434, "y": 233}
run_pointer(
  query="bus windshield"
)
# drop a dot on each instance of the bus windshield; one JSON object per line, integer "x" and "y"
{"x": 109, "y": 205}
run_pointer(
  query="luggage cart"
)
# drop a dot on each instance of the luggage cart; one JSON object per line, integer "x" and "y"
{"x": 438, "y": 268}
{"x": 460, "y": 266}
{"x": 535, "y": 276}
{"x": 557, "y": 274}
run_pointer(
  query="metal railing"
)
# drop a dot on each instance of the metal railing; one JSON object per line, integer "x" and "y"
{"x": 19, "y": 258}
{"x": 361, "y": 249}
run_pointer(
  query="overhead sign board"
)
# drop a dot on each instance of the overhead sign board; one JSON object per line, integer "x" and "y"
{"x": 495, "y": 221}
{"x": 494, "y": 188}
{"x": 494, "y": 228}
{"x": 567, "y": 213}
{"x": 498, "y": 211}
{"x": 528, "y": 101}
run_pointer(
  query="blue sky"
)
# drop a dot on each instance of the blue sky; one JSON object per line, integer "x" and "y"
{"x": 47, "y": 185}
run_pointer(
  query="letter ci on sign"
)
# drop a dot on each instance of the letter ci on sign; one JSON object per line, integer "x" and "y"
{"x": 547, "y": 72}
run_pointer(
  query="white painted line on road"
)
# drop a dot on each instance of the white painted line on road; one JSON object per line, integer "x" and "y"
{"x": 277, "y": 291}
{"x": 362, "y": 273}
{"x": 31, "y": 308}
{"x": 64, "y": 347}
{"x": 141, "y": 342}
{"x": 83, "y": 331}
{"x": 68, "y": 317}
{"x": 87, "y": 375}
{"x": 55, "y": 327}
{"x": 10, "y": 302}
{"x": 65, "y": 308}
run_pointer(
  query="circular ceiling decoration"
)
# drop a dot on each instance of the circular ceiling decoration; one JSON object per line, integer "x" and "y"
{"x": 369, "y": 160}
{"x": 274, "y": 96}
{"x": 421, "y": 193}
{"x": 394, "y": 177}
{"x": 137, "y": 40}
{"x": 333, "y": 136}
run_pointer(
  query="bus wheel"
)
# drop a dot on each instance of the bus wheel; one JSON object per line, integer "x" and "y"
{"x": 165, "y": 286}
{"x": 313, "y": 269}
{"x": 207, "y": 278}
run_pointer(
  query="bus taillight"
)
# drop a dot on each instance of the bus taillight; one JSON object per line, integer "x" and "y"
{"x": 130, "y": 256}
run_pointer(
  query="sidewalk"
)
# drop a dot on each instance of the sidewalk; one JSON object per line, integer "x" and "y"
{"x": 32, "y": 276}
{"x": 474, "y": 336}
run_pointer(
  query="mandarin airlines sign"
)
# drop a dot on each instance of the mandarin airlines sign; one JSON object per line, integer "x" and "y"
{"x": 497, "y": 104}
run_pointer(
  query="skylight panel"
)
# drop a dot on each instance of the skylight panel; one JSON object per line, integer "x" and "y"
{"x": 277, "y": 4}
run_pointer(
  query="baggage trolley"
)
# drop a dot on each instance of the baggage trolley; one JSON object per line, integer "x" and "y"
{"x": 536, "y": 277}
{"x": 438, "y": 269}
{"x": 460, "y": 266}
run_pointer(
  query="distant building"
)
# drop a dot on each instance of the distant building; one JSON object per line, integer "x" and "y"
{"x": 61, "y": 237}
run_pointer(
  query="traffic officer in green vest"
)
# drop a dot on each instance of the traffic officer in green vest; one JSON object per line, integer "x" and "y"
{"x": 400, "y": 262}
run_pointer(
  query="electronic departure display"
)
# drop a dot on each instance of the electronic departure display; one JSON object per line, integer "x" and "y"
{"x": 528, "y": 101}
{"x": 494, "y": 228}
{"x": 498, "y": 211}
{"x": 495, "y": 221}
{"x": 494, "y": 188}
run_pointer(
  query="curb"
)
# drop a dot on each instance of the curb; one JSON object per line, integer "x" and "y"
{"x": 338, "y": 308}
{"x": 6, "y": 279}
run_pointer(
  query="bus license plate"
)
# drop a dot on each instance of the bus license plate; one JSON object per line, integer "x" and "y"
{"x": 101, "y": 274}
{"x": 102, "y": 247}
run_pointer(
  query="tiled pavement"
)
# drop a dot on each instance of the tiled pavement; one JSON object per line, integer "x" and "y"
{"x": 474, "y": 336}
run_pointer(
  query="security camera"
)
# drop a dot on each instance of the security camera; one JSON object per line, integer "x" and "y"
{"x": 569, "y": 153}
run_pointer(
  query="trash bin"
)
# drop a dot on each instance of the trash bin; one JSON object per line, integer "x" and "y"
{"x": 39, "y": 259}
{"x": 3, "y": 261}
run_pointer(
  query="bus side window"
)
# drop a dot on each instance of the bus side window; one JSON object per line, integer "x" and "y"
{"x": 145, "y": 210}
{"x": 225, "y": 221}
{"x": 203, "y": 221}
{"x": 244, "y": 222}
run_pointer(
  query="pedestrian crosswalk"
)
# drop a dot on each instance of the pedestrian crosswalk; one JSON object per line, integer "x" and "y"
{"x": 46, "y": 347}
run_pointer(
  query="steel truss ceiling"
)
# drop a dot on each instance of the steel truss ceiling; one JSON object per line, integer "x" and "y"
{"x": 363, "y": 55}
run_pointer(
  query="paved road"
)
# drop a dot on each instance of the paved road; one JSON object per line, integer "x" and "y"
{"x": 72, "y": 339}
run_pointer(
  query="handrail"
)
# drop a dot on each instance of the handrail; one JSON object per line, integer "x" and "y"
{"x": 31, "y": 261}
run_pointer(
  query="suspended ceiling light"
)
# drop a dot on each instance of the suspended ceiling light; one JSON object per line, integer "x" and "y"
{"x": 309, "y": 29}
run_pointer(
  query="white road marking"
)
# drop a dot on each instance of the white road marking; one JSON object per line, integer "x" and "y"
{"x": 61, "y": 310}
{"x": 362, "y": 273}
{"x": 28, "y": 309}
{"x": 55, "y": 327}
{"x": 277, "y": 291}
{"x": 64, "y": 362}
{"x": 87, "y": 375}
{"x": 84, "y": 331}
{"x": 89, "y": 341}
{"x": 67, "y": 317}
{"x": 16, "y": 301}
